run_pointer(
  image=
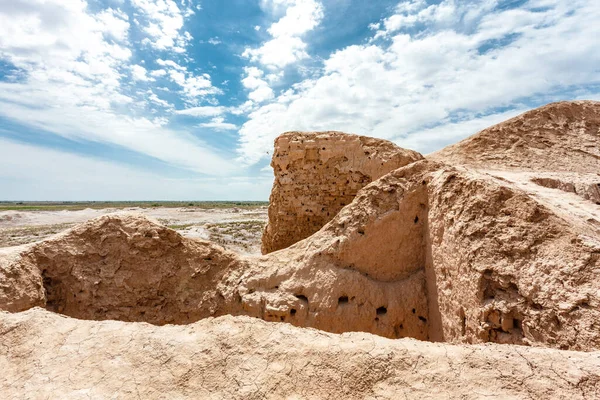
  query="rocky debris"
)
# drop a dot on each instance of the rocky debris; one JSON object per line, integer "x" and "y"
{"x": 317, "y": 174}
{"x": 45, "y": 355}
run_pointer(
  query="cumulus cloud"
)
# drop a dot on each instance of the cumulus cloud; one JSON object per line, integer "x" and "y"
{"x": 139, "y": 73}
{"x": 193, "y": 87}
{"x": 435, "y": 68}
{"x": 260, "y": 90}
{"x": 286, "y": 45}
{"x": 205, "y": 111}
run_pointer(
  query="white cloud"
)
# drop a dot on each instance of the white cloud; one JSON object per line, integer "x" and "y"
{"x": 71, "y": 71}
{"x": 164, "y": 24}
{"x": 115, "y": 23}
{"x": 459, "y": 64}
{"x": 302, "y": 16}
{"x": 193, "y": 87}
{"x": 243, "y": 109}
{"x": 163, "y": 103}
{"x": 278, "y": 52}
{"x": 218, "y": 123}
{"x": 260, "y": 90}
{"x": 170, "y": 63}
{"x": 158, "y": 72}
{"x": 139, "y": 73}
{"x": 206, "y": 111}
{"x": 214, "y": 41}
{"x": 286, "y": 45}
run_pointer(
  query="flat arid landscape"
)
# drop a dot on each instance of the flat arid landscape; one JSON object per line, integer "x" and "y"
{"x": 235, "y": 225}
{"x": 382, "y": 273}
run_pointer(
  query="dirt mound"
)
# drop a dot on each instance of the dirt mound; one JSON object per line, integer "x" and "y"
{"x": 48, "y": 356}
{"x": 508, "y": 268}
{"x": 317, "y": 174}
{"x": 562, "y": 136}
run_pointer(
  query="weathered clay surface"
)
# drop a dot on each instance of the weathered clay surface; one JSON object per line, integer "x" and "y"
{"x": 507, "y": 268}
{"x": 128, "y": 268}
{"x": 464, "y": 247}
{"x": 317, "y": 174}
{"x": 559, "y": 137}
{"x": 522, "y": 211}
{"x": 44, "y": 355}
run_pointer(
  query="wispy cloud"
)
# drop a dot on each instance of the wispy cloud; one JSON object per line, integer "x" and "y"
{"x": 29, "y": 172}
{"x": 183, "y": 86}
{"x": 75, "y": 65}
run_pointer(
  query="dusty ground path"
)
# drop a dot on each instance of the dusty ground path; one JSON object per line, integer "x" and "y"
{"x": 238, "y": 229}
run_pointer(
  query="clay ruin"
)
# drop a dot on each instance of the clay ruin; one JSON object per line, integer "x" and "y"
{"x": 493, "y": 240}
{"x": 319, "y": 173}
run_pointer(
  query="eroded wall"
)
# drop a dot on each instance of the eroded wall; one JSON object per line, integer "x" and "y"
{"x": 317, "y": 174}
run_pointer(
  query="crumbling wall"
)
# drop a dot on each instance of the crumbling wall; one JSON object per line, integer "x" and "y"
{"x": 126, "y": 267}
{"x": 508, "y": 269}
{"x": 317, "y": 174}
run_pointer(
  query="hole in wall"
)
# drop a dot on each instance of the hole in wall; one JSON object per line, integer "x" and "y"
{"x": 343, "y": 300}
{"x": 381, "y": 310}
{"x": 302, "y": 297}
{"x": 517, "y": 323}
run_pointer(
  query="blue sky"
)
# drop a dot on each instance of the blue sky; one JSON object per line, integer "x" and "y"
{"x": 182, "y": 99}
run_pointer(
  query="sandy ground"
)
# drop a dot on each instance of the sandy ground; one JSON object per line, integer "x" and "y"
{"x": 237, "y": 229}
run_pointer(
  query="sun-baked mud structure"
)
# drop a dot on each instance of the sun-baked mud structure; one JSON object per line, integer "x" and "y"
{"x": 490, "y": 240}
{"x": 317, "y": 174}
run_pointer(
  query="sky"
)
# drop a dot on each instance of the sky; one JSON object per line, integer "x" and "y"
{"x": 182, "y": 99}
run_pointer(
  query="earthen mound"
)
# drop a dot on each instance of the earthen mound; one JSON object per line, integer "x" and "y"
{"x": 559, "y": 137}
{"x": 119, "y": 266}
{"x": 126, "y": 267}
{"x": 429, "y": 251}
